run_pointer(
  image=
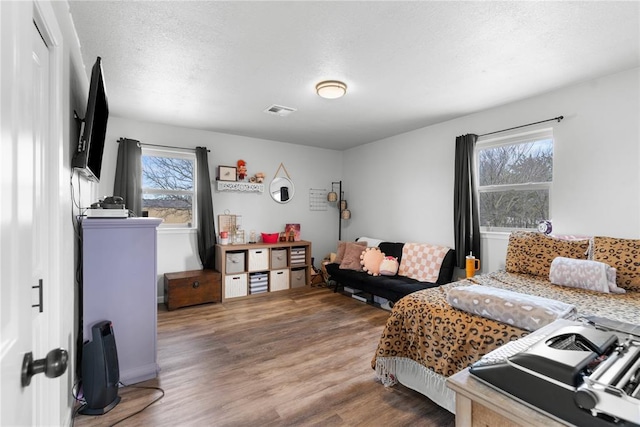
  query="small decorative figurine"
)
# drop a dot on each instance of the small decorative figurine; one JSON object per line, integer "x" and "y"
{"x": 242, "y": 170}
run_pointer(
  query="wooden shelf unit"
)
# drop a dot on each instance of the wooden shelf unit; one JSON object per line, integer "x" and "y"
{"x": 286, "y": 264}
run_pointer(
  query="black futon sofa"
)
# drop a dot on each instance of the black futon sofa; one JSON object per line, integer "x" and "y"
{"x": 391, "y": 288}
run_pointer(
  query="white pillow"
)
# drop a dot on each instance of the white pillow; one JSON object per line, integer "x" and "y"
{"x": 584, "y": 274}
{"x": 371, "y": 242}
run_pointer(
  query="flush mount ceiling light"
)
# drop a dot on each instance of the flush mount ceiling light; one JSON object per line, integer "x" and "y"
{"x": 331, "y": 89}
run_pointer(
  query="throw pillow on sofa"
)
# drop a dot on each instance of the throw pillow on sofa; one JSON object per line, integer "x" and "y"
{"x": 351, "y": 259}
{"x": 342, "y": 246}
{"x": 371, "y": 259}
{"x": 421, "y": 261}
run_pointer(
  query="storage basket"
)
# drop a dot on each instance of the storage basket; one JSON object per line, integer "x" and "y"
{"x": 270, "y": 237}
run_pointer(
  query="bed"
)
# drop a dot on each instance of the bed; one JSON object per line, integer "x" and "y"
{"x": 426, "y": 340}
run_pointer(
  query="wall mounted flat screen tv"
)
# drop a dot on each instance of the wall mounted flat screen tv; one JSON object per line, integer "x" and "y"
{"x": 87, "y": 159}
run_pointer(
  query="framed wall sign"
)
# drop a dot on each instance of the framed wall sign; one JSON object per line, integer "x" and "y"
{"x": 226, "y": 173}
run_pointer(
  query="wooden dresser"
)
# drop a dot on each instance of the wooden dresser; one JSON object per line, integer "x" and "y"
{"x": 119, "y": 284}
{"x": 186, "y": 288}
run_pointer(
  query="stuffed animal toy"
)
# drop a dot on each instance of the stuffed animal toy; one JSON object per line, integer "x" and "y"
{"x": 389, "y": 266}
{"x": 259, "y": 177}
{"x": 242, "y": 170}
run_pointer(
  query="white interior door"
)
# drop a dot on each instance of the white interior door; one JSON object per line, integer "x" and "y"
{"x": 45, "y": 389}
{"x": 24, "y": 118}
{"x": 16, "y": 215}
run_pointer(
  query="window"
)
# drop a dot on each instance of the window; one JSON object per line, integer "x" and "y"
{"x": 169, "y": 186}
{"x": 515, "y": 175}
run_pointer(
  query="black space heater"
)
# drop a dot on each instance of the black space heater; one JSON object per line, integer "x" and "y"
{"x": 100, "y": 371}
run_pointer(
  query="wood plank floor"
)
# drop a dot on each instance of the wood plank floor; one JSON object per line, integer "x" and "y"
{"x": 295, "y": 357}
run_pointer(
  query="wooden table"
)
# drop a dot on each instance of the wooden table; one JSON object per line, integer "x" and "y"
{"x": 480, "y": 405}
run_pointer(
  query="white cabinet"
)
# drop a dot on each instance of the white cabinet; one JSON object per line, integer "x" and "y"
{"x": 284, "y": 264}
{"x": 119, "y": 283}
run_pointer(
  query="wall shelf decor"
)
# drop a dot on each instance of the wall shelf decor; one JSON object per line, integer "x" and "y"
{"x": 248, "y": 187}
{"x": 227, "y": 173}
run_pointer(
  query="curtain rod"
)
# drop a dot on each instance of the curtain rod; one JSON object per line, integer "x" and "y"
{"x": 530, "y": 124}
{"x": 171, "y": 146}
{"x": 165, "y": 146}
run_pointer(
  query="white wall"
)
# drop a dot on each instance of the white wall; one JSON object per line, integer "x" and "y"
{"x": 74, "y": 88}
{"x": 308, "y": 168}
{"x": 401, "y": 188}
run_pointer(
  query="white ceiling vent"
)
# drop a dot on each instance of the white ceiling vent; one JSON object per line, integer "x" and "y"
{"x": 279, "y": 110}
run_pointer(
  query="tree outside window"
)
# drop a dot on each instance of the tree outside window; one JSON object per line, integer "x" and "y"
{"x": 515, "y": 175}
{"x": 168, "y": 186}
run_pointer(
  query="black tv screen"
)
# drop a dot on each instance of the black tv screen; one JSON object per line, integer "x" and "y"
{"x": 88, "y": 157}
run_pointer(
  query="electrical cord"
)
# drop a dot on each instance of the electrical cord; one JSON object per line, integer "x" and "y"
{"x": 75, "y": 222}
{"x": 83, "y": 402}
{"x": 146, "y": 406}
{"x": 75, "y": 394}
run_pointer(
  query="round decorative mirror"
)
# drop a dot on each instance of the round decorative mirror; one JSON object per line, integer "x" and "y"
{"x": 282, "y": 189}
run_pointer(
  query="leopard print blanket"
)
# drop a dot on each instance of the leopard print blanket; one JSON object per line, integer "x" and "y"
{"x": 423, "y": 327}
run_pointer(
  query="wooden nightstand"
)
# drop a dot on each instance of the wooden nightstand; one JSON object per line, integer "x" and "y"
{"x": 477, "y": 404}
{"x": 193, "y": 287}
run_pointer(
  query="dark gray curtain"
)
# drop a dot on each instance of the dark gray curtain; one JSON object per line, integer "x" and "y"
{"x": 206, "y": 222}
{"x": 465, "y": 201}
{"x": 128, "y": 182}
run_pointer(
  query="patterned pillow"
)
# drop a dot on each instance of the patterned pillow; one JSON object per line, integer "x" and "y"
{"x": 370, "y": 260}
{"x": 422, "y": 262}
{"x": 351, "y": 259}
{"x": 584, "y": 274}
{"x": 532, "y": 253}
{"x": 623, "y": 255}
{"x": 524, "y": 311}
{"x": 342, "y": 246}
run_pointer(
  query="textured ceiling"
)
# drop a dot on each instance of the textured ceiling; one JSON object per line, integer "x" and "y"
{"x": 218, "y": 65}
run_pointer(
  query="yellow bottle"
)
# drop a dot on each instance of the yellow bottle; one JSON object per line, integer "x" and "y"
{"x": 473, "y": 265}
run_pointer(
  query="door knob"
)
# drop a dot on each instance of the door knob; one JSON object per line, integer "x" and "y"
{"x": 54, "y": 365}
